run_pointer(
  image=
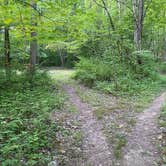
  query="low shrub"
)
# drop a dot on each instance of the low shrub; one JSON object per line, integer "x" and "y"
{"x": 112, "y": 73}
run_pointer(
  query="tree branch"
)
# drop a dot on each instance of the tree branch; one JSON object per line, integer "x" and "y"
{"x": 147, "y": 7}
{"x": 107, "y": 11}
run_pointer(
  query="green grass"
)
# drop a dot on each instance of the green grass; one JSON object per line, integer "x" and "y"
{"x": 105, "y": 104}
{"x": 99, "y": 113}
{"x": 162, "y": 123}
{"x": 27, "y": 135}
{"x": 120, "y": 142}
{"x": 61, "y": 75}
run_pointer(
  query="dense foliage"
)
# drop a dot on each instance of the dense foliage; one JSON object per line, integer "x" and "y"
{"x": 28, "y": 137}
{"x": 114, "y": 74}
{"x": 66, "y": 29}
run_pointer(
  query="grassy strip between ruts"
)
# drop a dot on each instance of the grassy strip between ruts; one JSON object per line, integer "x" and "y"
{"x": 27, "y": 135}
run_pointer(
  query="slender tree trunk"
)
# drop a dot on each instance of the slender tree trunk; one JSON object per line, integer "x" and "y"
{"x": 7, "y": 51}
{"x": 109, "y": 15}
{"x": 61, "y": 57}
{"x": 23, "y": 29}
{"x": 7, "y": 46}
{"x": 33, "y": 50}
{"x": 138, "y": 37}
{"x": 164, "y": 46}
{"x": 33, "y": 43}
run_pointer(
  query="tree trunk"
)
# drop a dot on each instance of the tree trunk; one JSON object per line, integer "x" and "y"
{"x": 61, "y": 57}
{"x": 7, "y": 52}
{"x": 138, "y": 37}
{"x": 7, "y": 46}
{"x": 164, "y": 46}
{"x": 33, "y": 43}
{"x": 33, "y": 50}
{"x": 138, "y": 11}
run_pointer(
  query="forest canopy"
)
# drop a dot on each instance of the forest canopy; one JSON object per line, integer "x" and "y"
{"x": 65, "y": 30}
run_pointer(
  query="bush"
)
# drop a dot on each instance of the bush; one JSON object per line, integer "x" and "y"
{"x": 144, "y": 65}
{"x": 112, "y": 73}
{"x": 90, "y": 70}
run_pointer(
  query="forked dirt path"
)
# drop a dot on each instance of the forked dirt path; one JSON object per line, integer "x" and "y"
{"x": 95, "y": 147}
{"x": 141, "y": 149}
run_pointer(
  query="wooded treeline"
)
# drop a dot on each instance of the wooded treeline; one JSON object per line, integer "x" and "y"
{"x": 57, "y": 32}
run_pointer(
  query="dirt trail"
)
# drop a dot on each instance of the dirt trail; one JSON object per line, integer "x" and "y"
{"x": 140, "y": 149}
{"x": 95, "y": 147}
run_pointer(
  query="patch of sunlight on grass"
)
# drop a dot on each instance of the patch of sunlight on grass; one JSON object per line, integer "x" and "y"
{"x": 63, "y": 75}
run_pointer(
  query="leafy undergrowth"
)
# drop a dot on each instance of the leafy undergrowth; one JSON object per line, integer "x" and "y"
{"x": 120, "y": 76}
{"x": 162, "y": 137}
{"x": 162, "y": 67}
{"x": 27, "y": 135}
{"x": 70, "y": 140}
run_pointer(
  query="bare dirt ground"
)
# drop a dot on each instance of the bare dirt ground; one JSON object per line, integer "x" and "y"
{"x": 141, "y": 144}
{"x": 115, "y": 132}
{"x": 140, "y": 150}
{"x": 95, "y": 146}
